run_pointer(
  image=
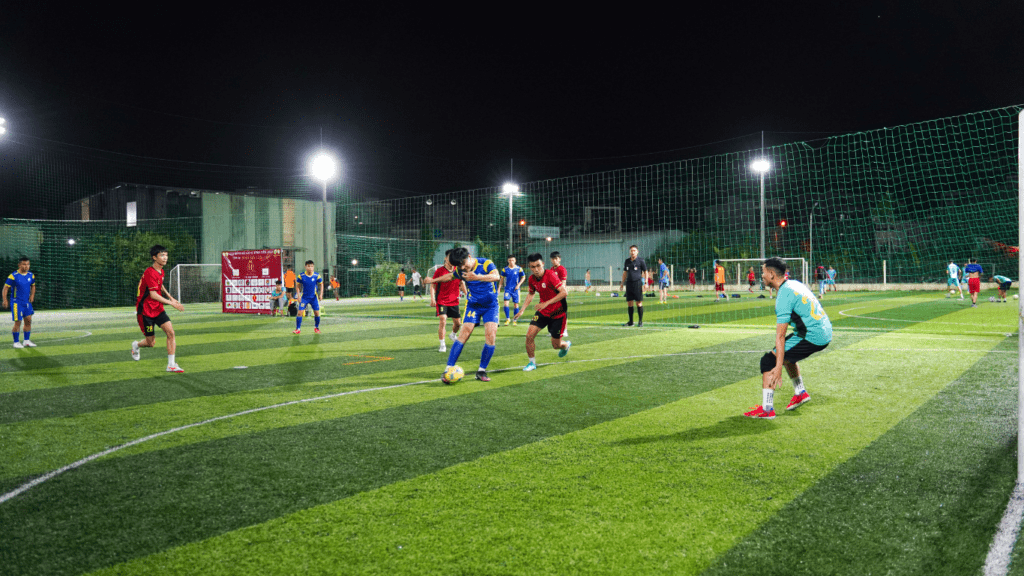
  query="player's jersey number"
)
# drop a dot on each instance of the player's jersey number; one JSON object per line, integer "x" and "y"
{"x": 816, "y": 311}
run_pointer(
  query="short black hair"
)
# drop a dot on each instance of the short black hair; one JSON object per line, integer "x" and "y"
{"x": 458, "y": 256}
{"x": 156, "y": 249}
{"x": 403, "y": 269}
{"x": 635, "y": 246}
{"x": 555, "y": 254}
{"x": 660, "y": 260}
{"x": 278, "y": 282}
{"x": 534, "y": 257}
{"x": 777, "y": 264}
{"x": 308, "y": 262}
{"x": 448, "y": 251}
{"x": 974, "y": 260}
{"x": 23, "y": 259}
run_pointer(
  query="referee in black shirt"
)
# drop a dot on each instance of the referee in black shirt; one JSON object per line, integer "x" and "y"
{"x": 634, "y": 275}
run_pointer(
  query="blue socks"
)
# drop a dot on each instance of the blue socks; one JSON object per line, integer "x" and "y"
{"x": 453, "y": 356}
{"x": 298, "y": 322}
{"x": 506, "y": 313}
{"x": 517, "y": 310}
{"x": 485, "y": 357}
{"x": 316, "y": 322}
{"x": 15, "y": 334}
{"x": 28, "y": 335}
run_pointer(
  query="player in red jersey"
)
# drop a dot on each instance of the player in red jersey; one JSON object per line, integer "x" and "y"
{"x": 444, "y": 297}
{"x": 563, "y": 275}
{"x": 149, "y": 308}
{"x": 550, "y": 312}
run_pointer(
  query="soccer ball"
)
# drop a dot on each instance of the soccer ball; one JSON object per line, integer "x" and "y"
{"x": 598, "y": 294}
{"x": 991, "y": 299}
{"x": 1015, "y": 296}
{"x": 952, "y": 291}
{"x": 453, "y": 375}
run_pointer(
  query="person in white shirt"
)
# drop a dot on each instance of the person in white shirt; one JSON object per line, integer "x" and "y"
{"x": 954, "y": 279}
{"x": 416, "y": 290}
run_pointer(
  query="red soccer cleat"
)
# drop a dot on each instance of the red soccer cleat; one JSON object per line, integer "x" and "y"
{"x": 296, "y": 331}
{"x": 801, "y": 398}
{"x": 316, "y": 330}
{"x": 758, "y": 412}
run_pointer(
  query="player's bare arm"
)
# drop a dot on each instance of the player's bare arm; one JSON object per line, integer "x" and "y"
{"x": 622, "y": 283}
{"x": 32, "y": 294}
{"x": 444, "y": 278}
{"x": 525, "y": 305}
{"x": 474, "y": 277}
{"x": 562, "y": 294}
{"x": 6, "y": 288}
{"x": 170, "y": 302}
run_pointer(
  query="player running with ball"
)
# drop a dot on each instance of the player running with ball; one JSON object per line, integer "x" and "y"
{"x": 812, "y": 332}
{"x": 482, "y": 307}
{"x": 550, "y": 313}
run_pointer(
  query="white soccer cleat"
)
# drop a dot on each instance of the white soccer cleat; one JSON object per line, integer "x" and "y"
{"x": 452, "y": 336}
{"x": 136, "y": 355}
{"x": 19, "y": 345}
{"x": 29, "y": 344}
{"x": 442, "y": 348}
{"x": 530, "y": 367}
{"x": 175, "y": 368}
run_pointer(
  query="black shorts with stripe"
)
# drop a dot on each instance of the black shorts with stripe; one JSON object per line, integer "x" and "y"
{"x": 555, "y": 326}
{"x": 449, "y": 311}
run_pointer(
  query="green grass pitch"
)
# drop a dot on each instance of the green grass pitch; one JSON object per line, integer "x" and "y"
{"x": 343, "y": 453}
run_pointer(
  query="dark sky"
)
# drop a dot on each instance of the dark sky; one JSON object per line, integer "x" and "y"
{"x": 431, "y": 99}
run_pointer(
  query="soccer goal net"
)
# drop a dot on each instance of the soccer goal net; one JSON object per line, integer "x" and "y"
{"x": 737, "y": 271}
{"x": 195, "y": 283}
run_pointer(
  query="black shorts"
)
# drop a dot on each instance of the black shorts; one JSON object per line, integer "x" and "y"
{"x": 449, "y": 311}
{"x": 416, "y": 289}
{"x": 555, "y": 326}
{"x": 148, "y": 324}
{"x": 276, "y": 303}
{"x": 801, "y": 350}
{"x": 400, "y": 287}
{"x": 635, "y": 291}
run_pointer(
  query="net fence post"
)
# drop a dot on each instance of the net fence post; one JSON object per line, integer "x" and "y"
{"x": 177, "y": 270}
{"x": 1020, "y": 303}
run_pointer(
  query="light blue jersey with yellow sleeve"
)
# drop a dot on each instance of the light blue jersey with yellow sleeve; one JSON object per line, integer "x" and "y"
{"x": 797, "y": 306}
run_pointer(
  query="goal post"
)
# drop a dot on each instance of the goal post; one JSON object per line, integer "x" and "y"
{"x": 195, "y": 283}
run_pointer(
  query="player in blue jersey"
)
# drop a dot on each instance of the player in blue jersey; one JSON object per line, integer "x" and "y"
{"x": 512, "y": 277}
{"x": 481, "y": 308}
{"x": 663, "y": 280}
{"x": 831, "y": 281}
{"x": 973, "y": 272}
{"x": 795, "y": 306}
{"x": 310, "y": 287}
{"x": 954, "y": 278}
{"x": 22, "y": 286}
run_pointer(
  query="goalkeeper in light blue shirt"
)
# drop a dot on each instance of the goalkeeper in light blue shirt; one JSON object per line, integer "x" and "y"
{"x": 795, "y": 306}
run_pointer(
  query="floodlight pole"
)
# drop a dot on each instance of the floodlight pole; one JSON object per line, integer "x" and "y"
{"x": 762, "y": 216}
{"x": 327, "y": 261}
{"x": 510, "y": 223}
{"x": 811, "y": 240}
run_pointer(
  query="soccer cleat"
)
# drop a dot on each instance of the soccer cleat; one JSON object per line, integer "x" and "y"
{"x": 530, "y": 367}
{"x": 564, "y": 351}
{"x": 628, "y": 325}
{"x": 29, "y": 344}
{"x": 798, "y": 399}
{"x": 296, "y": 331}
{"x": 177, "y": 369}
{"x": 19, "y": 345}
{"x": 316, "y": 330}
{"x": 508, "y": 322}
{"x": 452, "y": 336}
{"x": 481, "y": 375}
{"x": 442, "y": 348}
{"x": 515, "y": 323}
{"x": 136, "y": 355}
{"x": 640, "y": 325}
{"x": 758, "y": 412}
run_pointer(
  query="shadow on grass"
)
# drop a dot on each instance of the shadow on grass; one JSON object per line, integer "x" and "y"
{"x": 730, "y": 427}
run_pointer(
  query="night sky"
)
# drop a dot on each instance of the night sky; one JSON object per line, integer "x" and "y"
{"x": 431, "y": 100}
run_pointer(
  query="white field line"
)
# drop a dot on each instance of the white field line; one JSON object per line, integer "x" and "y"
{"x": 997, "y": 563}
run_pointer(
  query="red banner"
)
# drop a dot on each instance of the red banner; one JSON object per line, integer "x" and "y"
{"x": 247, "y": 277}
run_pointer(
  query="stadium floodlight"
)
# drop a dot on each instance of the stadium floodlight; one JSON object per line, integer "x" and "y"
{"x": 355, "y": 262}
{"x": 761, "y": 165}
{"x": 71, "y": 241}
{"x": 323, "y": 167}
{"x": 511, "y": 190}
{"x": 2, "y": 128}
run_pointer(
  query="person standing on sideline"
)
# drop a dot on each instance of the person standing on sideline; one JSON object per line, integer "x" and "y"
{"x": 289, "y": 283}
{"x": 812, "y": 332}
{"x": 1004, "y": 285}
{"x": 512, "y": 277}
{"x": 481, "y": 308}
{"x": 23, "y": 285}
{"x": 820, "y": 277}
{"x": 417, "y": 280}
{"x": 719, "y": 281}
{"x": 586, "y": 282}
{"x": 663, "y": 280}
{"x": 692, "y": 273}
{"x": 634, "y": 272}
{"x": 973, "y": 272}
{"x": 751, "y": 280}
{"x": 954, "y": 279}
{"x": 311, "y": 292}
{"x": 832, "y": 279}
{"x": 444, "y": 297}
{"x": 549, "y": 314}
{"x": 400, "y": 282}
{"x": 149, "y": 308}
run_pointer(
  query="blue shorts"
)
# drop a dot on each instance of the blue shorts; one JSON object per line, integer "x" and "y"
{"x": 663, "y": 283}
{"x": 586, "y": 283}
{"x": 513, "y": 296}
{"x": 476, "y": 314}
{"x": 314, "y": 303}
{"x": 830, "y": 281}
{"x": 1004, "y": 286}
{"x": 952, "y": 282}
{"x": 20, "y": 309}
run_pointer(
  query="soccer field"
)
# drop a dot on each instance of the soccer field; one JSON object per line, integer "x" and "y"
{"x": 343, "y": 453}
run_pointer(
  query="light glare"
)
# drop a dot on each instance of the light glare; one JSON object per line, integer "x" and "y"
{"x": 761, "y": 165}
{"x": 510, "y": 188}
{"x": 323, "y": 167}
{"x": 355, "y": 262}
{"x": 71, "y": 241}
